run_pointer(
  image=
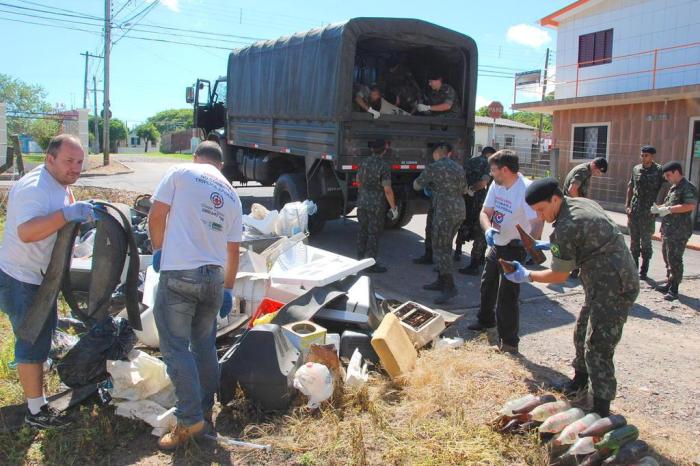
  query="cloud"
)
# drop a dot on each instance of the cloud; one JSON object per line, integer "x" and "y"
{"x": 526, "y": 34}
{"x": 481, "y": 101}
{"x": 172, "y": 5}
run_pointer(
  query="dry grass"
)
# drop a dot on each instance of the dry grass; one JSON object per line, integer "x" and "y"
{"x": 112, "y": 195}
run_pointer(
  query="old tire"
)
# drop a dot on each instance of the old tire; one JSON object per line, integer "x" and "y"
{"x": 291, "y": 187}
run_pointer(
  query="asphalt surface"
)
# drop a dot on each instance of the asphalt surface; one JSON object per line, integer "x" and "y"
{"x": 404, "y": 279}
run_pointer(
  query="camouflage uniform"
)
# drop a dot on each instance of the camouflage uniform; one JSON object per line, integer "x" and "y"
{"x": 477, "y": 169}
{"x": 645, "y": 184}
{"x": 373, "y": 175}
{"x": 400, "y": 83}
{"x": 581, "y": 173}
{"x": 585, "y": 237}
{"x": 446, "y": 179}
{"x": 676, "y": 229}
{"x": 446, "y": 93}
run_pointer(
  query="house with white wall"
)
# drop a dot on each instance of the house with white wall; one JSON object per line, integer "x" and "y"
{"x": 627, "y": 74}
{"x": 504, "y": 134}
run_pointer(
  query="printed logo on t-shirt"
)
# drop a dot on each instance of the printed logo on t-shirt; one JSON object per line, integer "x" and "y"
{"x": 217, "y": 200}
{"x": 497, "y": 217}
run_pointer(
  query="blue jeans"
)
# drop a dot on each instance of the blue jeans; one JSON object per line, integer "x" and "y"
{"x": 15, "y": 299}
{"x": 186, "y": 306}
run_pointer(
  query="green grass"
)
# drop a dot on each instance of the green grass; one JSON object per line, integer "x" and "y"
{"x": 33, "y": 158}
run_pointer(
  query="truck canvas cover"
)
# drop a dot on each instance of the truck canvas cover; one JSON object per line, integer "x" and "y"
{"x": 310, "y": 74}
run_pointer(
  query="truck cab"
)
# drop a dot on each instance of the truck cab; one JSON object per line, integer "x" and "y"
{"x": 209, "y": 104}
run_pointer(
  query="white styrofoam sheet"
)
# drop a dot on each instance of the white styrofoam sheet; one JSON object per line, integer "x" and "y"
{"x": 310, "y": 267}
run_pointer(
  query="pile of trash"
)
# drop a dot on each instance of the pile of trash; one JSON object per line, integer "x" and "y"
{"x": 575, "y": 438}
{"x": 305, "y": 322}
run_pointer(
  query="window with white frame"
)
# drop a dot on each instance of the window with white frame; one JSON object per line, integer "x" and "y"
{"x": 508, "y": 141}
{"x": 589, "y": 141}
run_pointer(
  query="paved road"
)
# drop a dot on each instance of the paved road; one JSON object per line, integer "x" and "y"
{"x": 398, "y": 247}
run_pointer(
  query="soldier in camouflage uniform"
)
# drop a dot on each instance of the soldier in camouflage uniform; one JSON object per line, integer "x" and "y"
{"x": 584, "y": 236}
{"x": 374, "y": 178}
{"x": 448, "y": 183}
{"x": 577, "y": 180}
{"x": 478, "y": 178}
{"x": 441, "y": 98}
{"x": 400, "y": 86}
{"x": 676, "y": 225}
{"x": 643, "y": 190}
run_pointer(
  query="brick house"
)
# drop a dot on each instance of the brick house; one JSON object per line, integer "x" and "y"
{"x": 627, "y": 74}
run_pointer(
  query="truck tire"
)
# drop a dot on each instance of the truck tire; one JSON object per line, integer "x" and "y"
{"x": 291, "y": 187}
{"x": 405, "y": 216}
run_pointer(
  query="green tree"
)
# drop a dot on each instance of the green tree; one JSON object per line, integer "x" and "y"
{"x": 43, "y": 130}
{"x": 117, "y": 131}
{"x": 171, "y": 120}
{"x": 149, "y": 133}
{"x": 528, "y": 118}
{"x": 21, "y": 97}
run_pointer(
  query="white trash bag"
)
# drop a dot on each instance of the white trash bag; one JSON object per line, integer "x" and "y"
{"x": 357, "y": 372}
{"x": 139, "y": 378}
{"x": 315, "y": 381}
{"x": 294, "y": 218}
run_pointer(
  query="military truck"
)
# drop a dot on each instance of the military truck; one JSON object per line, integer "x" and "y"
{"x": 285, "y": 111}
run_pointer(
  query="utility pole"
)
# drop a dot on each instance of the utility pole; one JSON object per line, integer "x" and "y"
{"x": 544, "y": 94}
{"x": 105, "y": 117}
{"x": 88, "y": 55}
{"x": 95, "y": 125}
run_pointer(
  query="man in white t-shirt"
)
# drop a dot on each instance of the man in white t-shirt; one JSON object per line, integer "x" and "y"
{"x": 196, "y": 229}
{"x": 503, "y": 209}
{"x": 39, "y": 205}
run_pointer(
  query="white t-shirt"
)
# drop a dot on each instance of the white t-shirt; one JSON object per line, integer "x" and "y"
{"x": 205, "y": 214}
{"x": 510, "y": 209}
{"x": 35, "y": 195}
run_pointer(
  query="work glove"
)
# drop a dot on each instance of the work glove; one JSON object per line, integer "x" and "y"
{"x": 227, "y": 304}
{"x": 662, "y": 211}
{"x": 519, "y": 275}
{"x": 156, "y": 260}
{"x": 489, "y": 234}
{"x": 428, "y": 192}
{"x": 542, "y": 245}
{"x": 393, "y": 214}
{"x": 469, "y": 192}
{"x": 80, "y": 211}
{"x": 374, "y": 113}
{"x": 423, "y": 108}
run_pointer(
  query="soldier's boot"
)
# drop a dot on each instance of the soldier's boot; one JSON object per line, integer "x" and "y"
{"x": 426, "y": 258}
{"x": 663, "y": 288}
{"x": 181, "y": 435}
{"x": 644, "y": 268}
{"x": 636, "y": 260}
{"x": 472, "y": 268}
{"x": 573, "y": 386}
{"x": 434, "y": 286}
{"x": 601, "y": 407}
{"x": 672, "y": 294}
{"x": 449, "y": 290}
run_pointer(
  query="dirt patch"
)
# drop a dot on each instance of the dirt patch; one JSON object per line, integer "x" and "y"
{"x": 96, "y": 168}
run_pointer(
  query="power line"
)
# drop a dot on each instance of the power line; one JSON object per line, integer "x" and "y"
{"x": 73, "y": 15}
{"x": 140, "y": 15}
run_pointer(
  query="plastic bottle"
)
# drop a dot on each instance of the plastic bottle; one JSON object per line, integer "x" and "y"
{"x": 556, "y": 423}
{"x": 583, "y": 446}
{"x": 528, "y": 241}
{"x": 529, "y": 406}
{"x": 546, "y": 410}
{"x": 646, "y": 461}
{"x": 570, "y": 433}
{"x": 613, "y": 440}
{"x": 601, "y": 427}
{"x": 632, "y": 451}
{"x": 507, "y": 409}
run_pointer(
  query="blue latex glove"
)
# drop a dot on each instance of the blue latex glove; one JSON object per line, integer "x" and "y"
{"x": 227, "y": 304}
{"x": 489, "y": 234}
{"x": 428, "y": 192}
{"x": 80, "y": 211}
{"x": 156, "y": 260}
{"x": 542, "y": 245}
{"x": 519, "y": 275}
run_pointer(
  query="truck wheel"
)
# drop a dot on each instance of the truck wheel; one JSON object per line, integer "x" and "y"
{"x": 405, "y": 215}
{"x": 291, "y": 187}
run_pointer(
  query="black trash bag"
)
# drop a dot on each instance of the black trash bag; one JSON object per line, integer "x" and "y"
{"x": 112, "y": 338}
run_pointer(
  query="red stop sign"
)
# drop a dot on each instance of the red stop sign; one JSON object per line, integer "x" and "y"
{"x": 495, "y": 109}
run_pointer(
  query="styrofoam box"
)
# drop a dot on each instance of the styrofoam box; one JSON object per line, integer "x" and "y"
{"x": 427, "y": 331}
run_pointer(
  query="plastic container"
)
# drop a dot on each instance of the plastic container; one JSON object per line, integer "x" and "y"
{"x": 267, "y": 306}
{"x": 583, "y": 446}
{"x": 570, "y": 433}
{"x": 303, "y": 334}
{"x": 250, "y": 289}
{"x": 558, "y": 422}
{"x": 507, "y": 409}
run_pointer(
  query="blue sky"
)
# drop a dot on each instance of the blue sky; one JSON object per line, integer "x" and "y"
{"x": 149, "y": 76}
